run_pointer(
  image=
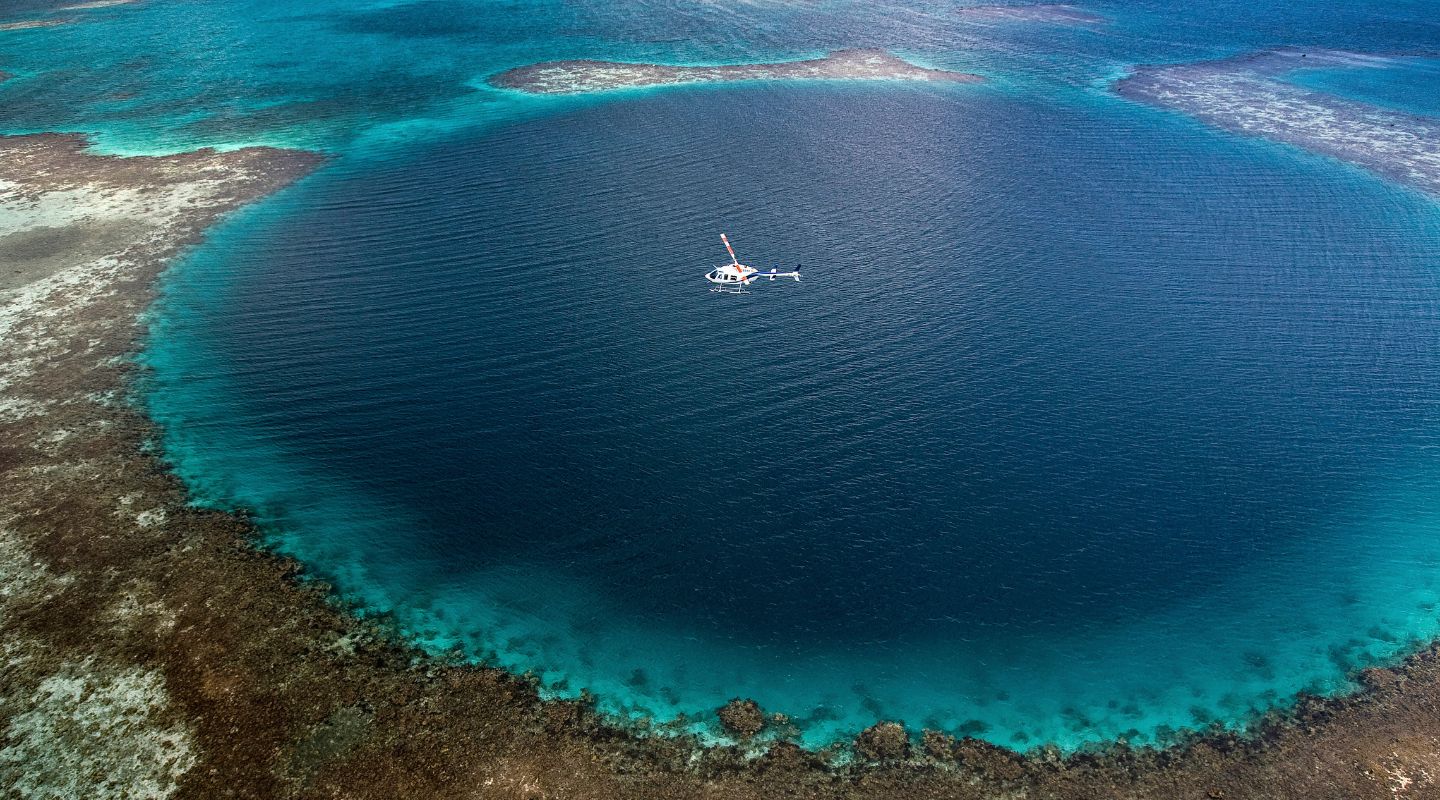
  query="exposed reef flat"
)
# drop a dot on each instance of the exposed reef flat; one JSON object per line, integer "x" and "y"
{"x": 1247, "y": 95}
{"x": 89, "y": 704}
{"x": 51, "y": 22}
{"x": 1054, "y": 13}
{"x": 574, "y": 77}
{"x": 97, "y": 4}
{"x": 149, "y": 650}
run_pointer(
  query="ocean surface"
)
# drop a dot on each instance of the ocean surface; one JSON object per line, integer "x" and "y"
{"x": 1087, "y": 422}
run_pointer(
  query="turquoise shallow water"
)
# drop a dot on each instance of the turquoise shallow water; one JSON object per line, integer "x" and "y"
{"x": 1411, "y": 85}
{"x": 1088, "y": 422}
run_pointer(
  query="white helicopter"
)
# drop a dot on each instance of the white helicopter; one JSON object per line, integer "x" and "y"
{"x": 734, "y": 277}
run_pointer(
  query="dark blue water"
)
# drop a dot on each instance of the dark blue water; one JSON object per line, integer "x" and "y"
{"x": 1085, "y": 422}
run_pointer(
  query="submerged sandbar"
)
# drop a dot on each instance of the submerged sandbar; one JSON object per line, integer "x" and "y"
{"x": 97, "y": 4}
{"x": 30, "y": 24}
{"x": 576, "y": 77}
{"x": 1248, "y": 95}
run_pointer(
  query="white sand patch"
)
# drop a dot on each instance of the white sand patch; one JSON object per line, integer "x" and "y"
{"x": 1405, "y": 778}
{"x": 145, "y": 518}
{"x": 517, "y": 779}
{"x": 79, "y": 285}
{"x": 57, "y": 436}
{"x": 14, "y": 409}
{"x": 110, "y": 398}
{"x": 17, "y": 651}
{"x": 62, "y": 207}
{"x": 150, "y": 518}
{"x": 88, "y": 278}
{"x": 134, "y": 613}
{"x": 95, "y": 733}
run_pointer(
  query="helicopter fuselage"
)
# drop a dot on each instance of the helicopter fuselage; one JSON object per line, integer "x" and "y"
{"x": 731, "y": 275}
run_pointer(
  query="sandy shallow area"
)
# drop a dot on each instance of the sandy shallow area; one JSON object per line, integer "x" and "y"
{"x": 1247, "y": 95}
{"x": 28, "y": 24}
{"x": 97, "y": 4}
{"x": 573, "y": 77}
{"x": 150, "y": 650}
{"x": 51, "y": 22}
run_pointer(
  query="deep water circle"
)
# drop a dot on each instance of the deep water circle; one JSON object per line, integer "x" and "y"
{"x": 1084, "y": 423}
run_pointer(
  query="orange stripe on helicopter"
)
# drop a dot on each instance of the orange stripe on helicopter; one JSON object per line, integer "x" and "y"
{"x": 731, "y": 250}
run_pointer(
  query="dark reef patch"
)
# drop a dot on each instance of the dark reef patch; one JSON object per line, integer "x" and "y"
{"x": 742, "y": 717}
{"x": 883, "y": 741}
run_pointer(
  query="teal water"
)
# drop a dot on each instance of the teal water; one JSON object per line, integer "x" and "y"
{"x": 1088, "y": 422}
{"x": 1411, "y": 85}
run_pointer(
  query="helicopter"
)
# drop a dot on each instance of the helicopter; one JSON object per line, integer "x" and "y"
{"x": 734, "y": 277}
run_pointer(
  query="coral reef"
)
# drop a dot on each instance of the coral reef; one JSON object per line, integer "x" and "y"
{"x": 574, "y": 77}
{"x": 742, "y": 717}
